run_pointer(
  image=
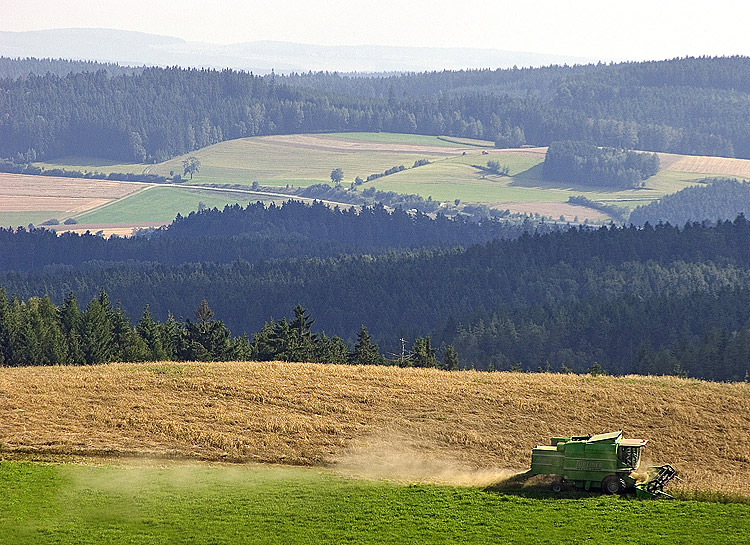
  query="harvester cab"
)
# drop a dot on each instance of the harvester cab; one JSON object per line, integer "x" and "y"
{"x": 604, "y": 461}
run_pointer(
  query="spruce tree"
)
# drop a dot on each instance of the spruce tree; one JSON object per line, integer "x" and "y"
{"x": 241, "y": 349}
{"x": 263, "y": 348}
{"x": 54, "y": 346}
{"x": 423, "y": 355}
{"x": 96, "y": 331}
{"x": 365, "y": 352}
{"x": 283, "y": 341}
{"x": 4, "y": 327}
{"x": 27, "y": 348}
{"x": 207, "y": 339}
{"x": 70, "y": 323}
{"x": 450, "y": 359}
{"x": 127, "y": 345}
{"x": 172, "y": 335}
{"x": 149, "y": 331}
{"x": 303, "y": 345}
{"x": 331, "y": 350}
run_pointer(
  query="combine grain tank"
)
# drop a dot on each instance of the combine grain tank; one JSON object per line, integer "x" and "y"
{"x": 603, "y": 461}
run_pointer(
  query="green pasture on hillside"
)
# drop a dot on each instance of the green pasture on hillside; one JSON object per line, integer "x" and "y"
{"x": 85, "y": 504}
{"x": 276, "y": 163}
{"x": 93, "y": 164}
{"x": 16, "y": 219}
{"x": 162, "y": 204}
{"x": 456, "y": 178}
{"x": 303, "y": 160}
{"x": 449, "y": 176}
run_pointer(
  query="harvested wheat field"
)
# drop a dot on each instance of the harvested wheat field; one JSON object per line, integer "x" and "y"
{"x": 706, "y": 165}
{"x": 383, "y": 422}
{"x": 69, "y": 196}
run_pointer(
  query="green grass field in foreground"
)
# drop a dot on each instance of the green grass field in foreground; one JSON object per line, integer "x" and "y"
{"x": 162, "y": 204}
{"x": 84, "y": 504}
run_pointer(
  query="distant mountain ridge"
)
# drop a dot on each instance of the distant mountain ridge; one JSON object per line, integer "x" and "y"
{"x": 138, "y": 48}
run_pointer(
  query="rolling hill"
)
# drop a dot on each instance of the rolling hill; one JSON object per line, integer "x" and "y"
{"x": 302, "y": 160}
{"x": 297, "y": 161}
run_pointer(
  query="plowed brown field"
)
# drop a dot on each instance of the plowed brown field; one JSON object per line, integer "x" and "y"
{"x": 369, "y": 420}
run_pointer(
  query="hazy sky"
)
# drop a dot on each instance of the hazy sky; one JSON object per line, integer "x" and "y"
{"x": 630, "y": 29}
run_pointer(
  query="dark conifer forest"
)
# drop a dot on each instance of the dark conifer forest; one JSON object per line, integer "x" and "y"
{"x": 254, "y": 233}
{"x": 710, "y": 200}
{"x": 589, "y": 164}
{"x": 657, "y": 299}
{"x": 691, "y": 105}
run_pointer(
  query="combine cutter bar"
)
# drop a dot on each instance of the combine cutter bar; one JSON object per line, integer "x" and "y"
{"x": 654, "y": 487}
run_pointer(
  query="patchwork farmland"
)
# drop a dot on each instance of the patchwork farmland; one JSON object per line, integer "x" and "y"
{"x": 302, "y": 160}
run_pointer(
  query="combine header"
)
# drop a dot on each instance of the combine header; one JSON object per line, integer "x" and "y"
{"x": 603, "y": 461}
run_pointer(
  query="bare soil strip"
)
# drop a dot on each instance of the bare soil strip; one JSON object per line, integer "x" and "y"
{"x": 553, "y": 210}
{"x": 108, "y": 229}
{"x": 328, "y": 143}
{"x": 321, "y": 142}
{"x": 530, "y": 152}
{"x": 384, "y": 421}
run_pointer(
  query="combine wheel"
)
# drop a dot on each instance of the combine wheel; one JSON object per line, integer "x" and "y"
{"x": 556, "y": 486}
{"x": 612, "y": 484}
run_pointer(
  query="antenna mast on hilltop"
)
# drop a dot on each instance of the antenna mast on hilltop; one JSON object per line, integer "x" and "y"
{"x": 402, "y": 358}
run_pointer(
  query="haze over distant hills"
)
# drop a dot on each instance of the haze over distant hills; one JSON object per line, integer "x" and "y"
{"x": 137, "y": 48}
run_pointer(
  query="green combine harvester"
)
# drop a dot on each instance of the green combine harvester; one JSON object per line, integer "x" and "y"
{"x": 603, "y": 461}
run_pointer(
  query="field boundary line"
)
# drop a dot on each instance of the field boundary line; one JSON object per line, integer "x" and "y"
{"x": 262, "y": 193}
{"x": 113, "y": 201}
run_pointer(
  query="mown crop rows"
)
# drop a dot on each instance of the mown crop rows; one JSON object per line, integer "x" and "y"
{"x": 323, "y": 415}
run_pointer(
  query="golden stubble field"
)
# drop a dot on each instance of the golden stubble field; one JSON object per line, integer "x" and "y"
{"x": 382, "y": 422}
{"x": 68, "y": 196}
{"x": 706, "y": 165}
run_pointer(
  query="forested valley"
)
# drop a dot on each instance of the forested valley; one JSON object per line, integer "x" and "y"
{"x": 658, "y": 299}
{"x": 691, "y": 105}
{"x": 384, "y": 286}
{"x": 255, "y": 232}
